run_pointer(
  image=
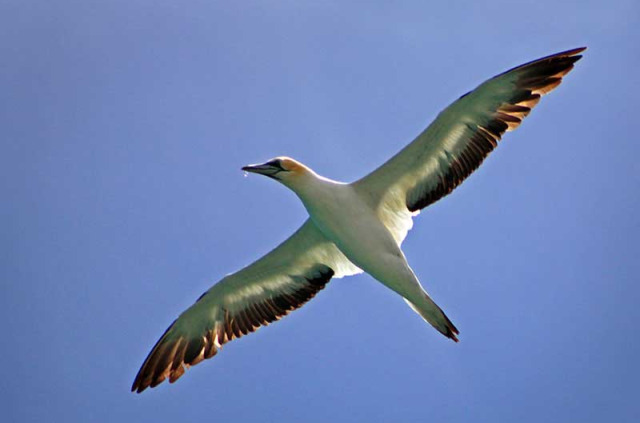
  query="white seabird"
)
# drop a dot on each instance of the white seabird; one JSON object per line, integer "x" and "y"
{"x": 356, "y": 227}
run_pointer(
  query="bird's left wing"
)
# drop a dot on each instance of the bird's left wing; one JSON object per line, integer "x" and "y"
{"x": 460, "y": 138}
{"x": 281, "y": 281}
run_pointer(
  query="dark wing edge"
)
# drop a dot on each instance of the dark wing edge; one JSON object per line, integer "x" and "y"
{"x": 532, "y": 81}
{"x": 175, "y": 352}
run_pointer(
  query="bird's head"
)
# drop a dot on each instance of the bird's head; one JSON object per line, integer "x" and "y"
{"x": 283, "y": 169}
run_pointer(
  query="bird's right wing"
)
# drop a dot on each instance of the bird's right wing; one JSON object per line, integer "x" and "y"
{"x": 460, "y": 138}
{"x": 281, "y": 281}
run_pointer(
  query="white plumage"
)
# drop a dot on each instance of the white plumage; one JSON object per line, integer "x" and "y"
{"x": 356, "y": 227}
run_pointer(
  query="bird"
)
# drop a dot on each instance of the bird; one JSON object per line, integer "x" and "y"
{"x": 356, "y": 227}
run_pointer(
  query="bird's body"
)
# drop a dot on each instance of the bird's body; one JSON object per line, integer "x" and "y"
{"x": 358, "y": 226}
{"x": 348, "y": 221}
{"x": 345, "y": 217}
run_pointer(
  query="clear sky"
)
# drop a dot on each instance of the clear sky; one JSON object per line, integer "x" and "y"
{"x": 124, "y": 125}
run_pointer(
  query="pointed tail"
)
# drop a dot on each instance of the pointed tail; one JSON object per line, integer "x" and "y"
{"x": 434, "y": 315}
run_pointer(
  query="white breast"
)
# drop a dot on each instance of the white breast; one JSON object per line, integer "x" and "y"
{"x": 345, "y": 218}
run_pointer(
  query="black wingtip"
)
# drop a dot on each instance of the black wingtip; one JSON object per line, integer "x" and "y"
{"x": 452, "y": 331}
{"x": 566, "y": 53}
{"x": 573, "y": 51}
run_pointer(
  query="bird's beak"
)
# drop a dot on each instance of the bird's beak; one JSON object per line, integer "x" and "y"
{"x": 262, "y": 169}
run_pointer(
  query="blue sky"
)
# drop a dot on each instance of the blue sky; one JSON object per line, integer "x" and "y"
{"x": 124, "y": 127}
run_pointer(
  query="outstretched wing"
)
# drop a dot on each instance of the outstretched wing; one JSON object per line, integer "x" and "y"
{"x": 281, "y": 281}
{"x": 460, "y": 138}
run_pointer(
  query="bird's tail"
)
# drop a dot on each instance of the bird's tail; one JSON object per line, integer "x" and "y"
{"x": 434, "y": 315}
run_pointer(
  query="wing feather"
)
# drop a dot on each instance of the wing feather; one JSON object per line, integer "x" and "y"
{"x": 265, "y": 291}
{"x": 458, "y": 141}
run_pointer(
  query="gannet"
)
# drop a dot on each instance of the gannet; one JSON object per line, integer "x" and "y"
{"x": 358, "y": 226}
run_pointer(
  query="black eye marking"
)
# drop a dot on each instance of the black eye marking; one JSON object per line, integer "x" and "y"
{"x": 277, "y": 164}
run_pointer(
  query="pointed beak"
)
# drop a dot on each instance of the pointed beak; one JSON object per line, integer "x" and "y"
{"x": 262, "y": 169}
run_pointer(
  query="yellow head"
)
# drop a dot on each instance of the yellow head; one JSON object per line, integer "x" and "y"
{"x": 283, "y": 169}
